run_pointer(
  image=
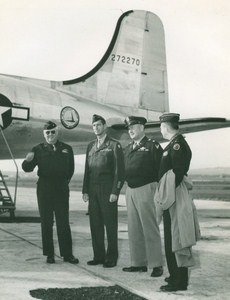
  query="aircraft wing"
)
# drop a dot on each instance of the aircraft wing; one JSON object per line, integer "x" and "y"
{"x": 152, "y": 129}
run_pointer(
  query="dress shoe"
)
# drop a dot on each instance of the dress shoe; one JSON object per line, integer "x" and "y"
{"x": 109, "y": 264}
{"x": 71, "y": 259}
{"x": 157, "y": 272}
{"x": 135, "y": 269}
{"x": 95, "y": 262}
{"x": 50, "y": 260}
{"x": 172, "y": 288}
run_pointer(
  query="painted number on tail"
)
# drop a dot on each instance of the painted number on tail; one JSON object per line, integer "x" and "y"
{"x": 126, "y": 59}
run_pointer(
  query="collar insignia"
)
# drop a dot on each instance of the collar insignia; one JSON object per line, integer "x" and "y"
{"x": 176, "y": 147}
{"x": 165, "y": 153}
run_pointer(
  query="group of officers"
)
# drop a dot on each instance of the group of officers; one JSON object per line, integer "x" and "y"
{"x": 147, "y": 169}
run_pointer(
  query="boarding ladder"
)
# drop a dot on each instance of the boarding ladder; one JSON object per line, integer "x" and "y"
{"x": 7, "y": 203}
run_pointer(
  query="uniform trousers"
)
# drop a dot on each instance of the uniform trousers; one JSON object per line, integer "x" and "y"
{"x": 143, "y": 230}
{"x": 53, "y": 199}
{"x": 178, "y": 275}
{"x": 103, "y": 216}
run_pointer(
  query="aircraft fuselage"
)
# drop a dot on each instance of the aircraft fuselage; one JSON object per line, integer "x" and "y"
{"x": 25, "y": 107}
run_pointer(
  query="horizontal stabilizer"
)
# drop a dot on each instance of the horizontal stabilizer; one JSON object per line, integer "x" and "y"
{"x": 152, "y": 129}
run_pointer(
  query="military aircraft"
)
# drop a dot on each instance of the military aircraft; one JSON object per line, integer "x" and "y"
{"x": 130, "y": 79}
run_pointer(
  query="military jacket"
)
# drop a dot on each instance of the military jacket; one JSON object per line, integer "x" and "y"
{"x": 142, "y": 163}
{"x": 176, "y": 156}
{"x": 104, "y": 165}
{"x": 58, "y": 164}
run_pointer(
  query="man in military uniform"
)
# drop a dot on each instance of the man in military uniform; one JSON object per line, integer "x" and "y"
{"x": 142, "y": 158}
{"x": 55, "y": 162}
{"x": 103, "y": 180}
{"x": 174, "y": 166}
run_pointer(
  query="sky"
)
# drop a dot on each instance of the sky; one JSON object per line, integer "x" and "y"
{"x": 44, "y": 40}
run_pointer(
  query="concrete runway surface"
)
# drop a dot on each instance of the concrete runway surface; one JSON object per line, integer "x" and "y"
{"x": 23, "y": 268}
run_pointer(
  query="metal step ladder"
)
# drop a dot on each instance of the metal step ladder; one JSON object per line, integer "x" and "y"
{"x": 6, "y": 202}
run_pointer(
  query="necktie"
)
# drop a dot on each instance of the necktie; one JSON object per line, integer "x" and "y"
{"x": 135, "y": 145}
{"x": 99, "y": 142}
{"x": 54, "y": 148}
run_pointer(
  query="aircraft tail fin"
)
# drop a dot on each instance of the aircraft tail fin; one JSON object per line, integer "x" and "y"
{"x": 134, "y": 74}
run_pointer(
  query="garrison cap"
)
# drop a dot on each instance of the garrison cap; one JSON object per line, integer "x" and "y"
{"x": 49, "y": 125}
{"x": 97, "y": 118}
{"x": 131, "y": 120}
{"x": 170, "y": 117}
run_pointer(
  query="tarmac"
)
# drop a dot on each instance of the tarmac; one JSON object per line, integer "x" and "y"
{"x": 23, "y": 267}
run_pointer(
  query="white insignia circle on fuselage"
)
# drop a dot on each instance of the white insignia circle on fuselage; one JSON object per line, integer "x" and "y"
{"x": 69, "y": 117}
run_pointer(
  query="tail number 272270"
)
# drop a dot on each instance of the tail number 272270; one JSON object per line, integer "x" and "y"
{"x": 125, "y": 59}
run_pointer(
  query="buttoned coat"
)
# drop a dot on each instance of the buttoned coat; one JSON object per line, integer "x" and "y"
{"x": 104, "y": 164}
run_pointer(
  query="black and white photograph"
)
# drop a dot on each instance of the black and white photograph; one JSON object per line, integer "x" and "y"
{"x": 114, "y": 149}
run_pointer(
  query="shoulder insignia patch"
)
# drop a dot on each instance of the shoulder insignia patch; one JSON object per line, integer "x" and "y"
{"x": 176, "y": 146}
{"x": 157, "y": 146}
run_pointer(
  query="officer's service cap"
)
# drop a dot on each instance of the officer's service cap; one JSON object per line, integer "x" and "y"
{"x": 49, "y": 125}
{"x": 97, "y": 118}
{"x": 170, "y": 117}
{"x": 131, "y": 120}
